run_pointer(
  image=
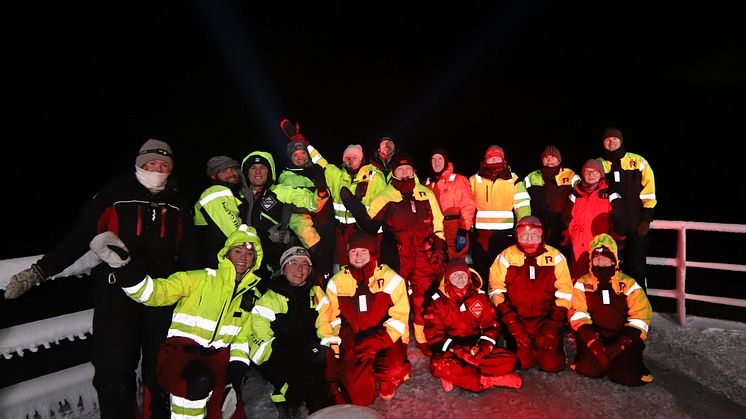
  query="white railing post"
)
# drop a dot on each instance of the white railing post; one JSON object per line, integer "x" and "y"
{"x": 681, "y": 275}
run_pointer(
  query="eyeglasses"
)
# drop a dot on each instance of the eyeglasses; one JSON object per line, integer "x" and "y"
{"x": 299, "y": 264}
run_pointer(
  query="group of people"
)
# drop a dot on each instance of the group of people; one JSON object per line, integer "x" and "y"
{"x": 317, "y": 276}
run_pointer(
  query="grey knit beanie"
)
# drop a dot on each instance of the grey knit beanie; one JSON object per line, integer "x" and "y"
{"x": 219, "y": 163}
{"x": 154, "y": 150}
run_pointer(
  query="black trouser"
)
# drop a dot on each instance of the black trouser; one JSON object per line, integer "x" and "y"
{"x": 305, "y": 379}
{"x": 634, "y": 260}
{"x": 485, "y": 246}
{"x": 122, "y": 328}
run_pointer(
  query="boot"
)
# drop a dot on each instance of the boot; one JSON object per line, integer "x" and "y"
{"x": 507, "y": 380}
{"x": 386, "y": 390}
{"x": 447, "y": 385}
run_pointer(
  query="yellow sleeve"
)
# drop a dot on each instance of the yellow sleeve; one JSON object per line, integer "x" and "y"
{"x": 498, "y": 270}
{"x": 563, "y": 282}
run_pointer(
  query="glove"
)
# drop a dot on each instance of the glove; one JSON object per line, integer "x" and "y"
{"x": 346, "y": 194}
{"x": 278, "y": 233}
{"x": 642, "y": 228}
{"x": 292, "y": 131}
{"x": 23, "y": 281}
{"x": 548, "y": 335}
{"x": 460, "y": 239}
{"x": 319, "y": 179}
{"x": 516, "y": 328}
{"x": 110, "y": 248}
{"x": 230, "y": 401}
{"x": 629, "y": 337}
{"x": 463, "y": 353}
{"x": 369, "y": 346}
{"x": 481, "y": 349}
{"x": 590, "y": 338}
{"x": 438, "y": 251}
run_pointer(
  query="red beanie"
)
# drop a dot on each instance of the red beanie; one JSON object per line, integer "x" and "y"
{"x": 552, "y": 150}
{"x": 456, "y": 265}
{"x": 593, "y": 164}
{"x": 494, "y": 151}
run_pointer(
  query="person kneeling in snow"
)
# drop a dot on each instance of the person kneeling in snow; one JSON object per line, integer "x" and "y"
{"x": 610, "y": 316}
{"x": 461, "y": 328}
{"x": 206, "y": 353}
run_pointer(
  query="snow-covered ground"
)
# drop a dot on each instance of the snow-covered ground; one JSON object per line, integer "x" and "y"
{"x": 700, "y": 371}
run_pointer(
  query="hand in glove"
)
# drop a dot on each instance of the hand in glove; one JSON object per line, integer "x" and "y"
{"x": 464, "y": 353}
{"x": 291, "y": 130}
{"x": 232, "y": 394}
{"x": 629, "y": 337}
{"x": 516, "y": 328}
{"x": 110, "y": 248}
{"x": 319, "y": 180}
{"x": 481, "y": 349}
{"x": 23, "y": 281}
{"x": 230, "y": 401}
{"x": 642, "y": 228}
{"x": 590, "y": 338}
{"x": 460, "y": 239}
{"x": 438, "y": 251}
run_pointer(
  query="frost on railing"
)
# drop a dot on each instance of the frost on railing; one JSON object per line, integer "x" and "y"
{"x": 62, "y": 394}
{"x": 30, "y": 336}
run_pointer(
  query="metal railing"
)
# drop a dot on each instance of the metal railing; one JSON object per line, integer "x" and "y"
{"x": 680, "y": 262}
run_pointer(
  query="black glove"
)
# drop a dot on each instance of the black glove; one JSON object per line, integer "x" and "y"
{"x": 358, "y": 210}
{"x": 291, "y": 130}
{"x": 516, "y": 328}
{"x": 438, "y": 252}
{"x": 590, "y": 338}
{"x": 460, "y": 239}
{"x": 629, "y": 337}
{"x": 319, "y": 179}
{"x": 110, "y": 248}
{"x": 642, "y": 228}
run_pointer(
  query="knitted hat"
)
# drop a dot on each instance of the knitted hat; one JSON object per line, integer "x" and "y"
{"x": 456, "y": 265}
{"x": 528, "y": 222}
{"x": 154, "y": 150}
{"x": 593, "y": 164}
{"x": 256, "y": 159}
{"x": 296, "y": 145}
{"x": 353, "y": 149}
{"x": 359, "y": 239}
{"x": 494, "y": 151}
{"x": 295, "y": 252}
{"x": 551, "y": 150}
{"x": 219, "y": 163}
{"x": 612, "y": 132}
{"x": 401, "y": 158}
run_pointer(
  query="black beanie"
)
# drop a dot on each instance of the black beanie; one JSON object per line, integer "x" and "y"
{"x": 401, "y": 158}
{"x": 613, "y": 132}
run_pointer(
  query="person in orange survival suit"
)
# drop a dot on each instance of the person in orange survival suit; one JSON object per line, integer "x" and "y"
{"x": 531, "y": 287}
{"x": 462, "y": 329}
{"x": 410, "y": 213}
{"x": 366, "y": 326}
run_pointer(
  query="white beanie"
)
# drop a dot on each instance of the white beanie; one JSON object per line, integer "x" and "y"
{"x": 353, "y": 149}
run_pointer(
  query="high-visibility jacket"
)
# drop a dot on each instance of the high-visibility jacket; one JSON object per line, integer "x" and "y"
{"x": 269, "y": 323}
{"x": 454, "y": 194}
{"x": 549, "y": 198}
{"x": 365, "y": 184}
{"x": 211, "y": 309}
{"x": 306, "y": 225}
{"x": 217, "y": 214}
{"x": 533, "y": 288}
{"x": 387, "y": 306}
{"x": 633, "y": 178}
{"x": 610, "y": 310}
{"x": 497, "y": 201}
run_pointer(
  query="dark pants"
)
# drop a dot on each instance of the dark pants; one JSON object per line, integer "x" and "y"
{"x": 627, "y": 368}
{"x": 296, "y": 381}
{"x": 485, "y": 246}
{"x": 449, "y": 367}
{"x": 121, "y": 329}
{"x": 634, "y": 259}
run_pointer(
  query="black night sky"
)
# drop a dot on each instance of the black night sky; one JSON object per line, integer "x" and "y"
{"x": 214, "y": 77}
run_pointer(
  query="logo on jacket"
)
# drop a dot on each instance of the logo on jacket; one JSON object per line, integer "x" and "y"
{"x": 268, "y": 202}
{"x": 476, "y": 308}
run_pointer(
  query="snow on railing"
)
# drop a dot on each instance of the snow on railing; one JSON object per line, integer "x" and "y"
{"x": 681, "y": 263}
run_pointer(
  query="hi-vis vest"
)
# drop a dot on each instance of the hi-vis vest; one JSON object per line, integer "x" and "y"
{"x": 497, "y": 200}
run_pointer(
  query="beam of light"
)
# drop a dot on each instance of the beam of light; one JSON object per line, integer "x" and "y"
{"x": 231, "y": 38}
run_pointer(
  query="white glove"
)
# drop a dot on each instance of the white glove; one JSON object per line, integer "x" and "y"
{"x": 110, "y": 248}
{"x": 230, "y": 401}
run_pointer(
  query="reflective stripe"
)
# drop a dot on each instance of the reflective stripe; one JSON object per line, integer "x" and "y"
{"x": 639, "y": 324}
{"x": 496, "y": 292}
{"x": 345, "y": 220}
{"x": 558, "y": 258}
{"x": 494, "y": 214}
{"x": 647, "y": 196}
{"x": 393, "y": 284}
{"x": 332, "y": 340}
{"x": 264, "y": 312}
{"x": 580, "y": 315}
{"x": 493, "y": 226}
{"x": 634, "y": 287}
{"x": 242, "y": 347}
{"x": 244, "y": 360}
{"x": 478, "y": 178}
{"x": 488, "y": 339}
{"x": 503, "y": 261}
{"x": 189, "y": 320}
{"x": 189, "y": 404}
{"x": 181, "y": 334}
{"x": 572, "y": 198}
{"x": 211, "y": 272}
{"x": 614, "y": 196}
{"x": 204, "y": 201}
{"x": 229, "y": 330}
{"x": 335, "y": 323}
{"x": 324, "y": 301}
{"x": 521, "y": 196}
{"x": 436, "y": 296}
{"x": 580, "y": 286}
{"x": 397, "y": 325}
{"x": 135, "y": 288}
{"x": 260, "y": 351}
{"x": 331, "y": 287}
{"x": 339, "y": 207}
{"x": 445, "y": 345}
{"x": 563, "y": 295}
{"x": 452, "y": 177}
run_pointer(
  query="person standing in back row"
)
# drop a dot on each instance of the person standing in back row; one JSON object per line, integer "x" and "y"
{"x": 631, "y": 175}
{"x": 146, "y": 209}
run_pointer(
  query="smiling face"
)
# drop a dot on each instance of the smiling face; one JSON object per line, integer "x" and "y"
{"x": 258, "y": 174}
{"x": 296, "y": 270}
{"x": 359, "y": 257}
{"x": 299, "y": 158}
{"x": 242, "y": 257}
{"x": 438, "y": 163}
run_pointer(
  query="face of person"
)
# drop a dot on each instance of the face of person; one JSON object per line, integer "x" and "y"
{"x": 299, "y": 157}
{"x": 242, "y": 258}
{"x": 602, "y": 261}
{"x": 529, "y": 236}
{"x": 359, "y": 257}
{"x": 352, "y": 161}
{"x": 550, "y": 161}
{"x": 404, "y": 171}
{"x": 386, "y": 148}
{"x": 459, "y": 279}
{"x": 494, "y": 159}
{"x": 157, "y": 165}
{"x": 591, "y": 176}
{"x": 229, "y": 175}
{"x": 438, "y": 163}
{"x": 258, "y": 174}
{"x": 296, "y": 270}
{"x": 612, "y": 143}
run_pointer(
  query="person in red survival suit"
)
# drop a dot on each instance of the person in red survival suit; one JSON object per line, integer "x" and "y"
{"x": 366, "y": 326}
{"x": 410, "y": 213}
{"x": 462, "y": 329}
{"x": 531, "y": 288}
